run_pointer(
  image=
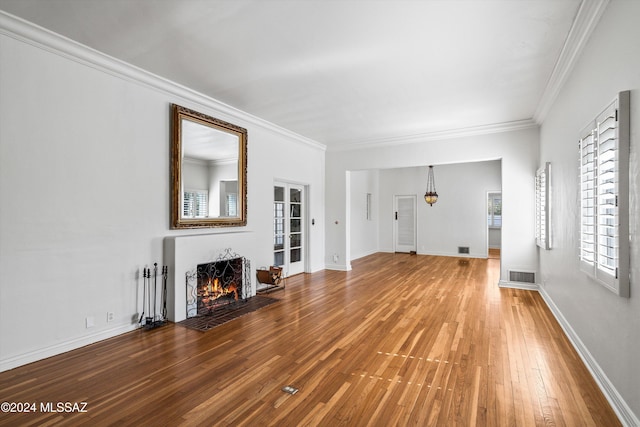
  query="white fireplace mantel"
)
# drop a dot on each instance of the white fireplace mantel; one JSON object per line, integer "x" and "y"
{"x": 184, "y": 253}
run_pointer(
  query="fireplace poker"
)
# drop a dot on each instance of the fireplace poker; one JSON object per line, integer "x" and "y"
{"x": 165, "y": 273}
{"x": 149, "y": 320}
{"x": 144, "y": 292}
{"x": 155, "y": 291}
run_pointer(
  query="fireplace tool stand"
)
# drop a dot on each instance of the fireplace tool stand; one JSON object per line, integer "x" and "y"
{"x": 156, "y": 315}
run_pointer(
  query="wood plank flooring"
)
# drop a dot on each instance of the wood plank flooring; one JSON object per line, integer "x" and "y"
{"x": 405, "y": 340}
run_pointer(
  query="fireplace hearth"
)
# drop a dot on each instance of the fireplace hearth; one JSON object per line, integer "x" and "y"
{"x": 218, "y": 284}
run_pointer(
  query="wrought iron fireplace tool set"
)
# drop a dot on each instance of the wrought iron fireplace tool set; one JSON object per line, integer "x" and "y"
{"x": 150, "y": 297}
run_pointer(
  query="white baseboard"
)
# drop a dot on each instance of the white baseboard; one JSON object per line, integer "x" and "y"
{"x": 338, "y": 267}
{"x": 54, "y": 350}
{"x": 364, "y": 254}
{"x": 625, "y": 414}
{"x": 518, "y": 285}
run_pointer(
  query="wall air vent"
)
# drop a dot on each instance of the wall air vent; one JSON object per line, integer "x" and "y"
{"x": 522, "y": 276}
{"x": 463, "y": 249}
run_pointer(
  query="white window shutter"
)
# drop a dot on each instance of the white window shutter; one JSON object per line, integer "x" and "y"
{"x": 604, "y": 197}
{"x": 543, "y": 176}
{"x": 587, "y": 197}
{"x": 195, "y": 204}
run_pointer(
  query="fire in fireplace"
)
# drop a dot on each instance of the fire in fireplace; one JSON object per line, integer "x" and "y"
{"x": 217, "y": 283}
{"x": 212, "y": 290}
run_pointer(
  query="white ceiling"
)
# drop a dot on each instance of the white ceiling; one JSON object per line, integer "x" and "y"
{"x": 198, "y": 141}
{"x": 343, "y": 73}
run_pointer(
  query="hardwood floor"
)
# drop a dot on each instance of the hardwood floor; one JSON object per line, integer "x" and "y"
{"x": 399, "y": 340}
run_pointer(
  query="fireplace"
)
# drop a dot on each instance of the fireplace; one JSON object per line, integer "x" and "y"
{"x": 216, "y": 284}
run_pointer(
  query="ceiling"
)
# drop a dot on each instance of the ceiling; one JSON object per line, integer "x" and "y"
{"x": 343, "y": 73}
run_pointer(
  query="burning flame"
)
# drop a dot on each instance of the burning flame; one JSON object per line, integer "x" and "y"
{"x": 215, "y": 290}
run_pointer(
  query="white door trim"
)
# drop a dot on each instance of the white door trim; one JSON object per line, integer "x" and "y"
{"x": 302, "y": 265}
{"x": 405, "y": 208}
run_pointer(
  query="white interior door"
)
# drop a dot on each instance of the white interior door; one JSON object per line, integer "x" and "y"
{"x": 289, "y": 219}
{"x": 404, "y": 228}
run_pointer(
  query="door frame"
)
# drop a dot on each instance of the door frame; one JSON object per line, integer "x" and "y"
{"x": 489, "y": 196}
{"x": 304, "y": 223}
{"x": 396, "y": 197}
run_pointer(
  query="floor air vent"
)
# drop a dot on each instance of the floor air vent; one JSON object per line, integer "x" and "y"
{"x": 522, "y": 276}
{"x": 290, "y": 389}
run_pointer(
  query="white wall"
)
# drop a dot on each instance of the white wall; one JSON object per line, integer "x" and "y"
{"x": 217, "y": 173}
{"x": 606, "y": 326}
{"x": 87, "y": 139}
{"x": 195, "y": 174}
{"x": 518, "y": 151}
{"x": 364, "y": 232}
{"x": 458, "y": 218}
{"x": 495, "y": 237}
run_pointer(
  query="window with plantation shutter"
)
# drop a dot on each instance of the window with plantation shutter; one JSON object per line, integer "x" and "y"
{"x": 195, "y": 204}
{"x": 604, "y": 194}
{"x": 542, "y": 207}
{"x": 494, "y": 210}
{"x": 232, "y": 204}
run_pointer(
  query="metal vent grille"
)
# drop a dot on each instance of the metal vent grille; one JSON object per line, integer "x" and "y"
{"x": 463, "y": 249}
{"x": 522, "y": 276}
{"x": 290, "y": 389}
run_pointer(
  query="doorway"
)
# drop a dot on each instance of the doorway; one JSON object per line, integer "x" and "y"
{"x": 404, "y": 225}
{"x": 289, "y": 223}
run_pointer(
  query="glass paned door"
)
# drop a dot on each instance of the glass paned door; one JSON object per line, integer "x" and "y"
{"x": 278, "y": 226}
{"x": 288, "y": 228}
{"x": 295, "y": 225}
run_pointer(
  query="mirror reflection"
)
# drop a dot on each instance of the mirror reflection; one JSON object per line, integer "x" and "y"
{"x": 209, "y": 169}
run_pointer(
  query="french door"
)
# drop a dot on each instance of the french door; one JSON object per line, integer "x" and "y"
{"x": 289, "y": 228}
{"x": 404, "y": 226}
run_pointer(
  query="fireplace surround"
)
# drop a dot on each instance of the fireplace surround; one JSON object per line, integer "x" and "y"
{"x": 183, "y": 253}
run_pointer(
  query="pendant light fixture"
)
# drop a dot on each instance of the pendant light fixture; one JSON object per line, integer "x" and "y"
{"x": 431, "y": 196}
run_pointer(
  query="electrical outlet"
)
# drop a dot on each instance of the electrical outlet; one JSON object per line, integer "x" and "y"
{"x": 90, "y": 322}
{"x": 109, "y": 316}
{"x": 335, "y": 258}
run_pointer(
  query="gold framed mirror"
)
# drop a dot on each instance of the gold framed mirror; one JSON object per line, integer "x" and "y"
{"x": 208, "y": 171}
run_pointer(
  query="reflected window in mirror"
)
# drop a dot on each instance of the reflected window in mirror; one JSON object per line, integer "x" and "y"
{"x": 195, "y": 204}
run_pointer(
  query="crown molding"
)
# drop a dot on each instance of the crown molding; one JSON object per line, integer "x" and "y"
{"x": 440, "y": 135}
{"x": 587, "y": 17}
{"x": 39, "y": 37}
{"x": 586, "y": 20}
